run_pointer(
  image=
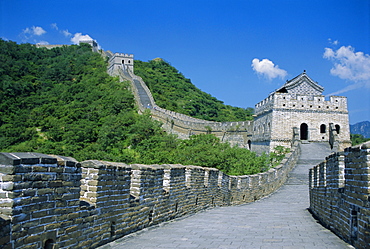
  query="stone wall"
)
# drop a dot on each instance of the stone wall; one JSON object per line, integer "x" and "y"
{"x": 236, "y": 133}
{"x": 55, "y": 201}
{"x": 340, "y": 194}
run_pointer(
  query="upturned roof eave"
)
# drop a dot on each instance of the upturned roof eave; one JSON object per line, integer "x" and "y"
{"x": 298, "y": 79}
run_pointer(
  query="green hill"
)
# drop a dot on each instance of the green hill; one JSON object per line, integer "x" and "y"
{"x": 62, "y": 101}
{"x": 172, "y": 91}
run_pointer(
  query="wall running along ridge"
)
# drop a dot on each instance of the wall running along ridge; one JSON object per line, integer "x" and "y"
{"x": 56, "y": 201}
{"x": 340, "y": 194}
{"x": 236, "y": 133}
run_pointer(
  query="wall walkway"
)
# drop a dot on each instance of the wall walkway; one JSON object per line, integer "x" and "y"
{"x": 279, "y": 221}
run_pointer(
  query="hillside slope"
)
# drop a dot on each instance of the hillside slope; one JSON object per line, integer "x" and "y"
{"x": 62, "y": 101}
{"x": 172, "y": 91}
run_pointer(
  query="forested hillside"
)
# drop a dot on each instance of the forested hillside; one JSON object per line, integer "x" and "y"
{"x": 62, "y": 101}
{"x": 172, "y": 91}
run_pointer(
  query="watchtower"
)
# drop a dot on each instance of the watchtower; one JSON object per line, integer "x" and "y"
{"x": 121, "y": 59}
{"x": 299, "y": 111}
{"x": 92, "y": 42}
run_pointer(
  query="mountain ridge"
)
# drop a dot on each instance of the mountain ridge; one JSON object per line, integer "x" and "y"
{"x": 362, "y": 128}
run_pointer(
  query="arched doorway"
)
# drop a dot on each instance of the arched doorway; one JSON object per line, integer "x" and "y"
{"x": 304, "y": 131}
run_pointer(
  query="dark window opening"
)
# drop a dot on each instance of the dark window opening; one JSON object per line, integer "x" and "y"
{"x": 123, "y": 61}
{"x": 49, "y": 244}
{"x": 304, "y": 131}
{"x": 112, "y": 228}
{"x": 354, "y": 225}
{"x": 337, "y": 128}
{"x": 323, "y": 128}
{"x": 283, "y": 90}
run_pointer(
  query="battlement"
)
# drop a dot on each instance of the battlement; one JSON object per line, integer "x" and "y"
{"x": 52, "y": 200}
{"x": 123, "y": 55}
{"x": 339, "y": 194}
{"x": 314, "y": 103}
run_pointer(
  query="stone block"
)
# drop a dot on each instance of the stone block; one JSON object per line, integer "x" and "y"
{"x": 4, "y": 239}
{"x": 7, "y": 186}
{"x": 32, "y": 238}
{"x": 6, "y": 203}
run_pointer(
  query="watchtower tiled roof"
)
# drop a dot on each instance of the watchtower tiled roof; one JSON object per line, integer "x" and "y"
{"x": 302, "y": 84}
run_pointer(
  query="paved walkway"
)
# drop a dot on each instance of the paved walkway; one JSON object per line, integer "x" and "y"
{"x": 278, "y": 221}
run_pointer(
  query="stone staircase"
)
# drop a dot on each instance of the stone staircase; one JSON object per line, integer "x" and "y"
{"x": 144, "y": 98}
{"x": 311, "y": 155}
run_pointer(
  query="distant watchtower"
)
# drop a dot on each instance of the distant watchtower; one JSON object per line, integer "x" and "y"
{"x": 125, "y": 60}
{"x": 93, "y": 44}
{"x": 299, "y": 111}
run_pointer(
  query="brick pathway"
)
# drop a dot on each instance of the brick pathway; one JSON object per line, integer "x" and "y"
{"x": 278, "y": 221}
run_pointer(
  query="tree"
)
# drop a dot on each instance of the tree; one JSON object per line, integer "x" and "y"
{"x": 358, "y": 139}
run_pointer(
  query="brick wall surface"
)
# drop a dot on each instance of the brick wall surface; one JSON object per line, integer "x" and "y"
{"x": 340, "y": 194}
{"x": 56, "y": 201}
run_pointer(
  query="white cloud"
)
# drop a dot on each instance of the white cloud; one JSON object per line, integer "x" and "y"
{"x": 79, "y": 37}
{"x": 29, "y": 33}
{"x": 66, "y": 33}
{"x": 348, "y": 88}
{"x": 34, "y": 31}
{"x": 54, "y": 26}
{"x": 268, "y": 69}
{"x": 336, "y": 42}
{"x": 348, "y": 64}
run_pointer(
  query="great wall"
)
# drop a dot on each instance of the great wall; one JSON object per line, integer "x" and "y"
{"x": 49, "y": 201}
{"x": 340, "y": 194}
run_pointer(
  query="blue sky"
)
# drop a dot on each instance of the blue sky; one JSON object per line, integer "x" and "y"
{"x": 237, "y": 51}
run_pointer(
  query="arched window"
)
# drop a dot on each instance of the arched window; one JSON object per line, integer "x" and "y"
{"x": 322, "y": 128}
{"x": 123, "y": 61}
{"x": 304, "y": 131}
{"x": 249, "y": 144}
{"x": 337, "y": 128}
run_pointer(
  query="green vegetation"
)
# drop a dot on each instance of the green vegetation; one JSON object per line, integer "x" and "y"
{"x": 358, "y": 139}
{"x": 207, "y": 150}
{"x": 62, "y": 101}
{"x": 172, "y": 91}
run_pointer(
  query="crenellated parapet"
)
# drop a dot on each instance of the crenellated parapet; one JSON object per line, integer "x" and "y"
{"x": 340, "y": 194}
{"x": 48, "y": 201}
{"x": 304, "y": 103}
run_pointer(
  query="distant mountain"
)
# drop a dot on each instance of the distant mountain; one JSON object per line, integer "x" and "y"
{"x": 362, "y": 128}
